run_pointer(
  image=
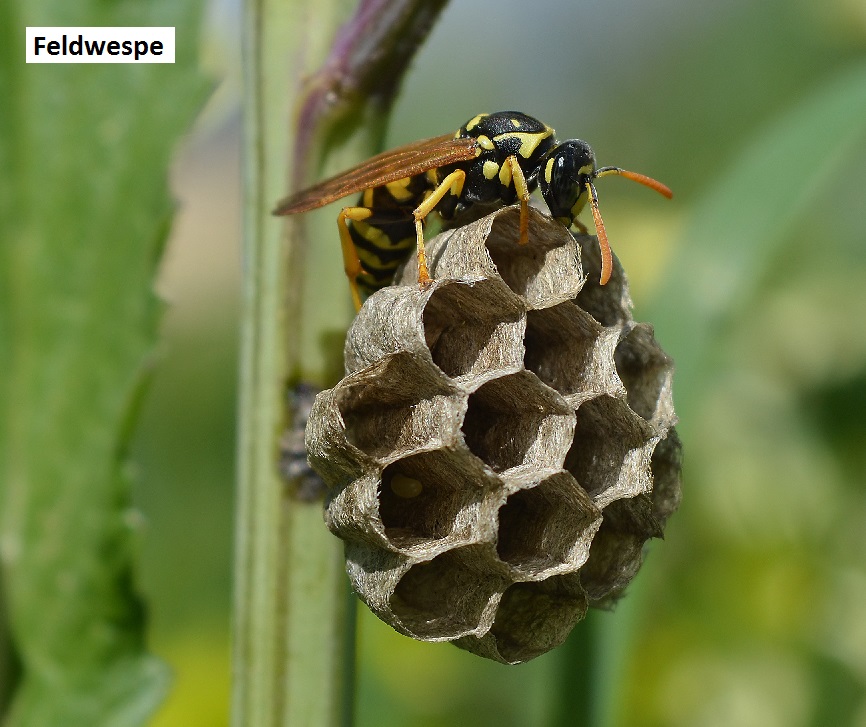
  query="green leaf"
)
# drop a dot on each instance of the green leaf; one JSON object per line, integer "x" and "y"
{"x": 740, "y": 226}
{"x": 84, "y": 214}
{"x": 735, "y": 234}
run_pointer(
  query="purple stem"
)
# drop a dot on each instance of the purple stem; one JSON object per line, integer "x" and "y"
{"x": 371, "y": 52}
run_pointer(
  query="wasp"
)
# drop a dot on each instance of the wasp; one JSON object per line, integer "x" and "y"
{"x": 498, "y": 158}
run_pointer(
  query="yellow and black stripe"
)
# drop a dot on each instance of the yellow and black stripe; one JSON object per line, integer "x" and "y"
{"x": 493, "y": 158}
{"x": 385, "y": 240}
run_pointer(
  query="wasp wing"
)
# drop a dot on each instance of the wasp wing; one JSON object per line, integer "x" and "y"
{"x": 389, "y": 166}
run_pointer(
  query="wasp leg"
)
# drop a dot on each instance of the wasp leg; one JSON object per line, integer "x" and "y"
{"x": 581, "y": 228}
{"x": 351, "y": 261}
{"x": 522, "y": 190}
{"x": 453, "y": 183}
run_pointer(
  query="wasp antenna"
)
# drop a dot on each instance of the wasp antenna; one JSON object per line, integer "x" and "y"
{"x": 643, "y": 179}
{"x": 604, "y": 245}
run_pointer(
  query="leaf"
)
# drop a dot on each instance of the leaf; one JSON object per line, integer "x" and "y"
{"x": 735, "y": 234}
{"x": 84, "y": 215}
{"x": 740, "y": 226}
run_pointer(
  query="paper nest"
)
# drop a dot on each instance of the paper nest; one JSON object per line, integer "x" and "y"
{"x": 501, "y": 447}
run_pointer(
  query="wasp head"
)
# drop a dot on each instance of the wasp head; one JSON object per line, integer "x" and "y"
{"x": 564, "y": 174}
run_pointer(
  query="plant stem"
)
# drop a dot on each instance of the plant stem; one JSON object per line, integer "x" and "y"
{"x": 575, "y": 672}
{"x": 294, "y": 625}
{"x": 290, "y": 604}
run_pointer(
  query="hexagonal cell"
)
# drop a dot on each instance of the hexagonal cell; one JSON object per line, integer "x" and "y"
{"x": 609, "y": 304}
{"x": 447, "y": 597}
{"x": 434, "y": 496}
{"x": 397, "y": 406}
{"x": 647, "y": 371}
{"x": 516, "y": 420}
{"x": 532, "y": 619}
{"x": 544, "y": 272}
{"x": 617, "y": 550}
{"x": 547, "y": 528}
{"x": 568, "y": 350}
{"x": 611, "y": 451}
{"x": 337, "y": 461}
{"x": 474, "y": 329}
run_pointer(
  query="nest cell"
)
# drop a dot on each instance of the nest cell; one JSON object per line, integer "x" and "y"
{"x": 646, "y": 371}
{"x": 433, "y": 496}
{"x": 516, "y": 420}
{"x": 569, "y": 351}
{"x": 447, "y": 597}
{"x": 546, "y": 270}
{"x": 533, "y": 618}
{"x": 667, "y": 468}
{"x": 609, "y": 304}
{"x": 547, "y": 528}
{"x": 611, "y": 451}
{"x": 397, "y": 406}
{"x": 474, "y": 329}
{"x": 617, "y": 550}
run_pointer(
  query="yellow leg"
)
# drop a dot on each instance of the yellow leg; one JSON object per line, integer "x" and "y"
{"x": 522, "y": 190}
{"x": 351, "y": 262}
{"x": 423, "y": 275}
{"x": 453, "y": 183}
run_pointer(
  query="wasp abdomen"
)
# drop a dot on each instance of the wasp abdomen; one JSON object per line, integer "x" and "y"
{"x": 386, "y": 238}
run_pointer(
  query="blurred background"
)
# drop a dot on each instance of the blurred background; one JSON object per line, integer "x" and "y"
{"x": 753, "y": 610}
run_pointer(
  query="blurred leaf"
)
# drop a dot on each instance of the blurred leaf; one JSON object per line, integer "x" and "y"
{"x": 740, "y": 226}
{"x": 84, "y": 214}
{"x": 836, "y": 409}
{"x": 840, "y": 693}
{"x": 735, "y": 234}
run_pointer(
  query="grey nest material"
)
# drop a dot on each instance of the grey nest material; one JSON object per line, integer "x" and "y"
{"x": 501, "y": 447}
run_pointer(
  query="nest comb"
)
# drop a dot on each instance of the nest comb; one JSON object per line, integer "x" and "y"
{"x": 501, "y": 447}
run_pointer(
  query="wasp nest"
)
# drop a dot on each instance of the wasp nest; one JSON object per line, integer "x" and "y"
{"x": 501, "y": 447}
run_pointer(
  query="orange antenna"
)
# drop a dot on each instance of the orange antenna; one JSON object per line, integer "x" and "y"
{"x": 606, "y": 257}
{"x": 643, "y": 179}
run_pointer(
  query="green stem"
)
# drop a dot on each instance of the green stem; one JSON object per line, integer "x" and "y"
{"x": 10, "y": 668}
{"x": 294, "y": 638}
{"x": 576, "y": 676}
{"x": 290, "y": 605}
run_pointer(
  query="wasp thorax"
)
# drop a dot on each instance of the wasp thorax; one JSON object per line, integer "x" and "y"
{"x": 501, "y": 447}
{"x": 504, "y": 123}
{"x": 505, "y": 139}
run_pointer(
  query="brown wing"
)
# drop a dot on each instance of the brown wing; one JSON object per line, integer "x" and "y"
{"x": 389, "y": 166}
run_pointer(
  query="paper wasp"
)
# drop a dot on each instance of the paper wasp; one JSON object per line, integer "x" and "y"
{"x": 492, "y": 158}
